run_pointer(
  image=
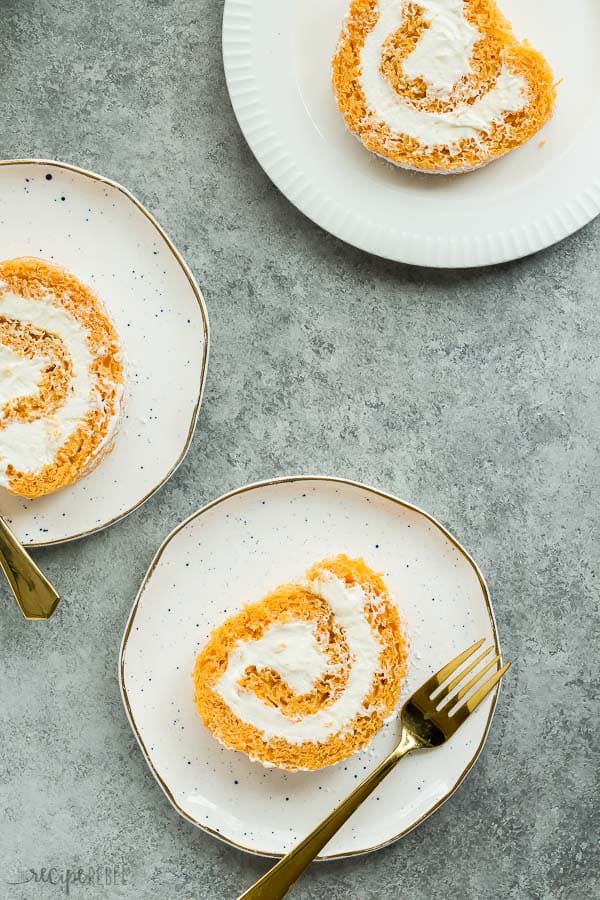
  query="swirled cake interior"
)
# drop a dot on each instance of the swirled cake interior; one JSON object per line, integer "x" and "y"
{"x": 439, "y": 85}
{"x": 61, "y": 378}
{"x": 307, "y": 676}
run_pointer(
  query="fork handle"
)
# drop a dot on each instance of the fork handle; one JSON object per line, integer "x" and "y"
{"x": 278, "y": 880}
{"x": 34, "y": 594}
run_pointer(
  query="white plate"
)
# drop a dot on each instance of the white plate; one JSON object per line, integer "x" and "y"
{"x": 277, "y": 61}
{"x": 101, "y": 234}
{"x": 234, "y": 551}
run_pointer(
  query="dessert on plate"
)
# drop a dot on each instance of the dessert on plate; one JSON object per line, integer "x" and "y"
{"x": 440, "y": 86}
{"x": 61, "y": 378}
{"x": 307, "y": 676}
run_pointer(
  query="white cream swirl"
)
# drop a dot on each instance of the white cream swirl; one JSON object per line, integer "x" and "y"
{"x": 441, "y": 58}
{"x": 20, "y": 376}
{"x": 294, "y": 651}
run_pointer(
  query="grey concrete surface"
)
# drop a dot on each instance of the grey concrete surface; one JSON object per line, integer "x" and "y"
{"x": 474, "y": 395}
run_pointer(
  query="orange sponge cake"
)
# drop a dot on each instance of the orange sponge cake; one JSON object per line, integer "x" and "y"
{"x": 61, "y": 378}
{"x": 306, "y": 677}
{"x": 440, "y": 86}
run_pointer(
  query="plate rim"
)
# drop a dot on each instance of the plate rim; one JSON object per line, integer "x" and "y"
{"x": 291, "y": 479}
{"x": 103, "y": 179}
{"x": 306, "y": 194}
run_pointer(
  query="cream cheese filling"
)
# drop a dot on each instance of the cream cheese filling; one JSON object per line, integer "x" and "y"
{"x": 20, "y": 376}
{"x": 293, "y": 650}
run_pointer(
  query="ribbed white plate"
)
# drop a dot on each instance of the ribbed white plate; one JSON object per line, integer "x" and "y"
{"x": 277, "y": 62}
{"x": 235, "y": 551}
{"x": 101, "y": 234}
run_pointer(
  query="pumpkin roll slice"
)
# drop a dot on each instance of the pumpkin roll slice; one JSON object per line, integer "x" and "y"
{"x": 61, "y": 378}
{"x": 307, "y": 676}
{"x": 439, "y": 86}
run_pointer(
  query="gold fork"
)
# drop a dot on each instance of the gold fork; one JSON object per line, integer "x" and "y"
{"x": 34, "y": 594}
{"x": 429, "y": 718}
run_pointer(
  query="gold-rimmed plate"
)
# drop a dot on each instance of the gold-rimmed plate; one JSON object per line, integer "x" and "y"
{"x": 234, "y": 551}
{"x": 97, "y": 230}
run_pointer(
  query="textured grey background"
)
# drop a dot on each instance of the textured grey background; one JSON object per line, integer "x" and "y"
{"x": 474, "y": 395}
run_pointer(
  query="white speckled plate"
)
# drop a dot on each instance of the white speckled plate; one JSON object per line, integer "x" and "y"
{"x": 98, "y": 231}
{"x": 277, "y": 62}
{"x": 236, "y": 550}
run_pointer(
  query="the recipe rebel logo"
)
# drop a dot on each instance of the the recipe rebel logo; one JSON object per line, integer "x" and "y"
{"x": 66, "y": 878}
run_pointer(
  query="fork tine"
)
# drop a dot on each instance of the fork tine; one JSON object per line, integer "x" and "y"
{"x": 472, "y": 682}
{"x": 439, "y": 678}
{"x": 463, "y": 712}
{"x": 480, "y": 695}
{"x": 443, "y": 692}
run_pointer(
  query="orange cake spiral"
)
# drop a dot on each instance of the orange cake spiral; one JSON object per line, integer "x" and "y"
{"x": 439, "y": 86}
{"x": 306, "y": 677}
{"x": 61, "y": 378}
